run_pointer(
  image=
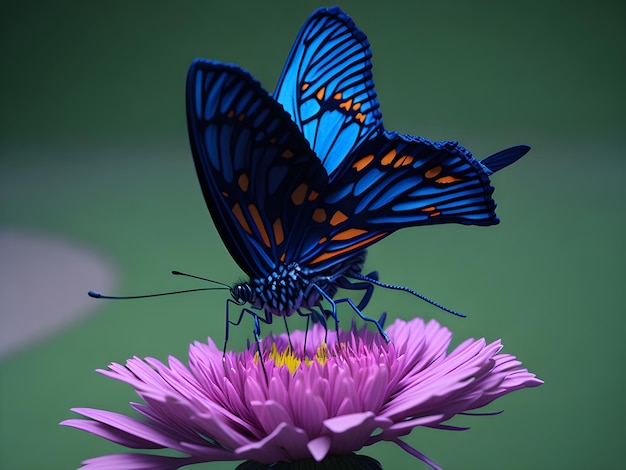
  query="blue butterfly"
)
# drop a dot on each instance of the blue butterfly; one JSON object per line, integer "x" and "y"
{"x": 301, "y": 182}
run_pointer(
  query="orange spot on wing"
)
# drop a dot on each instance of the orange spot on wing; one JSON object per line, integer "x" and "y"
{"x": 241, "y": 117}
{"x": 356, "y": 106}
{"x": 349, "y": 234}
{"x": 332, "y": 254}
{"x": 346, "y": 105}
{"x": 448, "y": 179}
{"x": 297, "y": 197}
{"x": 388, "y": 158}
{"x": 337, "y": 218}
{"x": 429, "y": 209}
{"x": 313, "y": 195}
{"x": 282, "y": 257}
{"x": 258, "y": 221}
{"x": 433, "y": 172}
{"x": 338, "y": 96}
{"x": 241, "y": 218}
{"x": 363, "y": 162}
{"x": 435, "y": 214}
{"x": 279, "y": 235}
{"x": 320, "y": 93}
{"x": 287, "y": 154}
{"x": 243, "y": 182}
{"x": 304, "y": 86}
{"x": 273, "y": 140}
{"x": 230, "y": 113}
{"x": 224, "y": 193}
{"x": 404, "y": 160}
{"x": 360, "y": 117}
{"x": 322, "y": 240}
{"x": 319, "y": 215}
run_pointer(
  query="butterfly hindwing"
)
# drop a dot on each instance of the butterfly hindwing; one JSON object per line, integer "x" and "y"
{"x": 258, "y": 174}
{"x": 395, "y": 181}
{"x": 327, "y": 86}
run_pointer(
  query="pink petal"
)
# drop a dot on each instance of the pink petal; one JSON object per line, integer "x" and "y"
{"x": 114, "y": 435}
{"x": 271, "y": 414}
{"x": 128, "y": 425}
{"x": 286, "y": 443}
{"x": 137, "y": 462}
{"x": 415, "y": 453}
{"x": 319, "y": 447}
{"x": 350, "y": 432}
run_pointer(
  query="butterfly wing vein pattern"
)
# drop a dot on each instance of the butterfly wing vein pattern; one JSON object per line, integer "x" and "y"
{"x": 327, "y": 87}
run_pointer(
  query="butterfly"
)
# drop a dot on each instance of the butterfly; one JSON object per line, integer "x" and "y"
{"x": 301, "y": 182}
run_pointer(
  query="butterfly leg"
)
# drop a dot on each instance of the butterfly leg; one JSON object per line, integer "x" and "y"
{"x": 324, "y": 314}
{"x": 266, "y": 318}
{"x": 315, "y": 316}
{"x": 377, "y": 323}
{"x": 319, "y": 313}
{"x": 257, "y": 339}
{"x": 356, "y": 309}
{"x": 369, "y": 290}
{"x": 288, "y": 332}
{"x": 364, "y": 286}
{"x": 229, "y": 322}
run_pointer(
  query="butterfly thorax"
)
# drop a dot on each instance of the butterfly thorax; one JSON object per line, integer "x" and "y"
{"x": 290, "y": 286}
{"x": 282, "y": 292}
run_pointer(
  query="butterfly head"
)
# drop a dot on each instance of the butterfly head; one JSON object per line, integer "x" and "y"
{"x": 242, "y": 293}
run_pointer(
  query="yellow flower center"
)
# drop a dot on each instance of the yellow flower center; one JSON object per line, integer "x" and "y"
{"x": 288, "y": 359}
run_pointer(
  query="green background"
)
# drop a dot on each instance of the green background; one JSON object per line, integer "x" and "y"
{"x": 94, "y": 149}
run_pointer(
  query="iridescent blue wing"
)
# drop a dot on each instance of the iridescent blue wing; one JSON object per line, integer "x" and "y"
{"x": 327, "y": 86}
{"x": 395, "y": 181}
{"x": 258, "y": 174}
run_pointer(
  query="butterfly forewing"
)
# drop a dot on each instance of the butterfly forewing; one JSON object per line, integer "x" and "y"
{"x": 257, "y": 172}
{"x": 327, "y": 86}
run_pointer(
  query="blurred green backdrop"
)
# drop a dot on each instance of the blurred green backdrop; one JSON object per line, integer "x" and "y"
{"x": 94, "y": 149}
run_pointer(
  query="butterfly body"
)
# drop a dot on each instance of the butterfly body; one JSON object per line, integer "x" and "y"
{"x": 301, "y": 182}
{"x": 292, "y": 287}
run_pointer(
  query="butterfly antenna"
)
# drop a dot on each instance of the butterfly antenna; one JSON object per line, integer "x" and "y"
{"x": 178, "y": 273}
{"x": 98, "y": 295}
{"x": 410, "y": 291}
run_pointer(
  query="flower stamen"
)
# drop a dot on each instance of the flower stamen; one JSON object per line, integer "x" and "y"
{"x": 288, "y": 358}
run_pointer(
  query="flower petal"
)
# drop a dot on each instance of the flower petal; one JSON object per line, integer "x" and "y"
{"x": 415, "y": 453}
{"x": 110, "y": 433}
{"x": 286, "y": 443}
{"x": 118, "y": 422}
{"x": 319, "y": 447}
{"x": 350, "y": 432}
{"x": 271, "y": 414}
{"x": 137, "y": 462}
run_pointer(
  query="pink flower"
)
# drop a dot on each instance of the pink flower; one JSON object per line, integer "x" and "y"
{"x": 336, "y": 399}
